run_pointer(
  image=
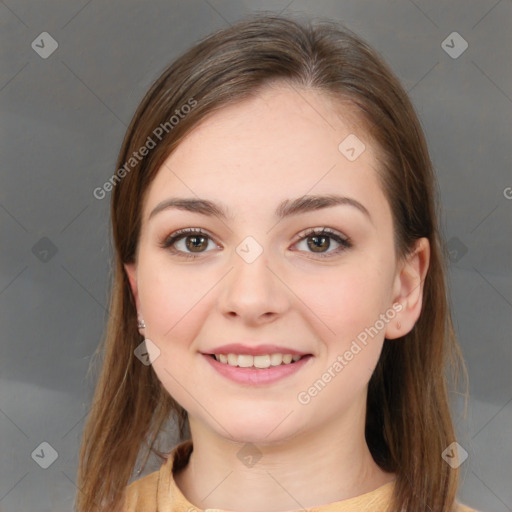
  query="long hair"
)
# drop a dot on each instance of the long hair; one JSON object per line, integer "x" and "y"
{"x": 408, "y": 420}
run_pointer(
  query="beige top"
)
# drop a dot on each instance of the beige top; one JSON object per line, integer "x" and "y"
{"x": 158, "y": 492}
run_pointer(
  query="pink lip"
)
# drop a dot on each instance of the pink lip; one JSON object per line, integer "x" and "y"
{"x": 259, "y": 350}
{"x": 255, "y": 376}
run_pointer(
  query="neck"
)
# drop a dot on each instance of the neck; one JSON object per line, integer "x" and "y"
{"x": 309, "y": 470}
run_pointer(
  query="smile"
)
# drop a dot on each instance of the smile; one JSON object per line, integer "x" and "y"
{"x": 256, "y": 370}
{"x": 261, "y": 361}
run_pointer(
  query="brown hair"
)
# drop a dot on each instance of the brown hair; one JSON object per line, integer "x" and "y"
{"x": 408, "y": 422}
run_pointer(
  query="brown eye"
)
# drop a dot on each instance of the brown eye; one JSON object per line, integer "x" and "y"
{"x": 186, "y": 242}
{"x": 196, "y": 243}
{"x": 319, "y": 243}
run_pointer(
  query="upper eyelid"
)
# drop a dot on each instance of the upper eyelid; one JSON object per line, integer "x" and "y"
{"x": 182, "y": 233}
{"x": 322, "y": 230}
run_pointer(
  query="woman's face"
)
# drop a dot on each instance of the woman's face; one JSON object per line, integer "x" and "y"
{"x": 257, "y": 277}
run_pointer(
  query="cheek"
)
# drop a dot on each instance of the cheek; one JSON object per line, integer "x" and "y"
{"x": 175, "y": 304}
{"x": 346, "y": 300}
{"x": 170, "y": 296}
{"x": 346, "y": 307}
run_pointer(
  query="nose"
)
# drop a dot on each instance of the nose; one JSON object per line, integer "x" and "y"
{"x": 253, "y": 291}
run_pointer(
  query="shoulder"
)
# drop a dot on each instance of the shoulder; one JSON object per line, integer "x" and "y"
{"x": 142, "y": 492}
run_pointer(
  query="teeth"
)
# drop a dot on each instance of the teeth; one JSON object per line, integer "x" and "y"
{"x": 276, "y": 359}
{"x": 245, "y": 361}
{"x": 263, "y": 361}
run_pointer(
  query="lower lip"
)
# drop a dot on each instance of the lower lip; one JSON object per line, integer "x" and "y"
{"x": 255, "y": 376}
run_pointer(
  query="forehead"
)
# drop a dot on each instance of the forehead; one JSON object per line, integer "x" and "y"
{"x": 282, "y": 142}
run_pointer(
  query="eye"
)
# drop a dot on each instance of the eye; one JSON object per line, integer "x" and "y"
{"x": 319, "y": 241}
{"x": 184, "y": 240}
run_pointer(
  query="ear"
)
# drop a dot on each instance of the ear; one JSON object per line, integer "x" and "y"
{"x": 131, "y": 272}
{"x": 408, "y": 289}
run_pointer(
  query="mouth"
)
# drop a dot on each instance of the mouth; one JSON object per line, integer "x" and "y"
{"x": 260, "y": 362}
{"x": 259, "y": 370}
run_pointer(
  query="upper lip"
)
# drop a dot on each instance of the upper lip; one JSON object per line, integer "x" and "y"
{"x": 254, "y": 350}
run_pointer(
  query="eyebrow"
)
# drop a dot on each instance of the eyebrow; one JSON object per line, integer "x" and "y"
{"x": 286, "y": 208}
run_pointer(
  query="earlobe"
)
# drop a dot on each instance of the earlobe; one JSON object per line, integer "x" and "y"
{"x": 409, "y": 285}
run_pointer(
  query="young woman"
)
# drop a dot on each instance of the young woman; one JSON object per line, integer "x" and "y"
{"x": 279, "y": 288}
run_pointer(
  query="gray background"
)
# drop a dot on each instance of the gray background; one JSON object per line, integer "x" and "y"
{"x": 62, "y": 122}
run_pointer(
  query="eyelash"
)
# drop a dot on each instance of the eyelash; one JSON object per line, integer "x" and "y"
{"x": 169, "y": 241}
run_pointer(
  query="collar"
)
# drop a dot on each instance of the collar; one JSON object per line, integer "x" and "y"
{"x": 171, "y": 499}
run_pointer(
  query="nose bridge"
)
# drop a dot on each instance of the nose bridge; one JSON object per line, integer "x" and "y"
{"x": 252, "y": 289}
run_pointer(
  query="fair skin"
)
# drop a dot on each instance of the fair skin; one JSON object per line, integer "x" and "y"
{"x": 251, "y": 156}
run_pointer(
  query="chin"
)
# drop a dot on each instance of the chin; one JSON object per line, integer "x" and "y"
{"x": 262, "y": 428}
